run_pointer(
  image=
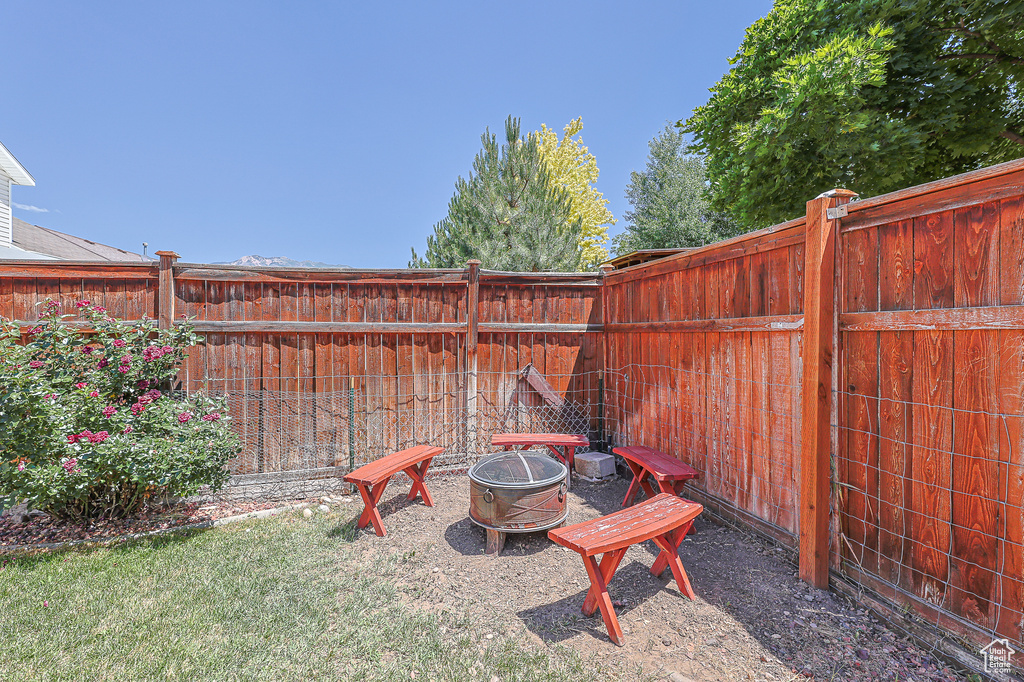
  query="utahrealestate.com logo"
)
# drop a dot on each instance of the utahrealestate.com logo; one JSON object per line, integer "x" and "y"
{"x": 998, "y": 656}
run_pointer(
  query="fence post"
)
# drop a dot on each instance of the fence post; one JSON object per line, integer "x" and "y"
{"x": 472, "y": 323}
{"x": 605, "y": 270}
{"x": 165, "y": 289}
{"x": 816, "y": 412}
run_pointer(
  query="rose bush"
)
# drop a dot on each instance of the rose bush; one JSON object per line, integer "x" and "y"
{"x": 90, "y": 429}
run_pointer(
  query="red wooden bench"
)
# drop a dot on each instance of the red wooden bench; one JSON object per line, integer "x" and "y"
{"x": 669, "y": 472}
{"x": 553, "y": 441}
{"x": 371, "y": 479}
{"x": 665, "y": 518}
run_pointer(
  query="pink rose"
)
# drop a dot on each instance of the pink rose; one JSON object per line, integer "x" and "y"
{"x": 73, "y": 437}
{"x": 144, "y": 384}
{"x": 120, "y": 343}
{"x": 128, "y": 429}
{"x": 124, "y": 369}
{"x": 109, "y": 411}
{"x": 82, "y": 304}
{"x": 35, "y": 330}
{"x": 212, "y": 417}
{"x": 81, "y": 384}
{"x": 94, "y": 394}
{"x": 126, "y": 360}
{"x": 87, "y": 350}
{"x": 98, "y": 437}
{"x": 99, "y": 309}
{"x": 21, "y": 465}
{"x": 102, "y": 363}
{"x": 184, "y": 417}
{"x": 138, "y": 407}
{"x": 36, "y": 364}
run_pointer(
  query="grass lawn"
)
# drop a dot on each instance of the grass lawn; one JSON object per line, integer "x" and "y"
{"x": 279, "y": 599}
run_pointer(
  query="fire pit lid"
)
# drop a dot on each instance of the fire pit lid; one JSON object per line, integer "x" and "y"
{"x": 517, "y": 469}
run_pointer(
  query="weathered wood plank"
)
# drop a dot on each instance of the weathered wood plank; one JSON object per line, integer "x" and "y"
{"x": 933, "y": 261}
{"x": 976, "y": 263}
{"x": 896, "y": 266}
{"x": 975, "y": 478}
{"x": 988, "y": 318}
{"x": 1011, "y": 251}
{"x": 932, "y": 445}
{"x": 895, "y": 455}
{"x": 1009, "y": 616}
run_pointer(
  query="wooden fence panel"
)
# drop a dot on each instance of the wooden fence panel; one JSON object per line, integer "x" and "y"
{"x": 929, "y": 461}
{"x": 703, "y": 362}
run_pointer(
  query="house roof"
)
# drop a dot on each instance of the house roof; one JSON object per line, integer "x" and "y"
{"x": 641, "y": 256}
{"x": 43, "y": 240}
{"x": 13, "y": 169}
{"x": 14, "y": 253}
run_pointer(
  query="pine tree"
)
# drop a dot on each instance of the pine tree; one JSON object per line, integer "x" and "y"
{"x": 670, "y": 199}
{"x": 509, "y": 214}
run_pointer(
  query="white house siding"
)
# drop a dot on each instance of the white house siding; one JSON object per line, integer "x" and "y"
{"x": 5, "y": 211}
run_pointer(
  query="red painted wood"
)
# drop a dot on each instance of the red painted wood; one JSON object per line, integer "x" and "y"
{"x": 660, "y": 514}
{"x": 665, "y": 519}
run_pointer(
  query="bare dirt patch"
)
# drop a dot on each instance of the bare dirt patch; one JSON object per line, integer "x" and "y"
{"x": 752, "y": 619}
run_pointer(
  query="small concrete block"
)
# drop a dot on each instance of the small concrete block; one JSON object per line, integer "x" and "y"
{"x": 595, "y": 465}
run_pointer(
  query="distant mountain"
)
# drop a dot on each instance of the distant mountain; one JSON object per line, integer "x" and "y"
{"x": 279, "y": 262}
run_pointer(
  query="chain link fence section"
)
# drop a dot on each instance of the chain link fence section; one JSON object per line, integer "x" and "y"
{"x": 293, "y": 436}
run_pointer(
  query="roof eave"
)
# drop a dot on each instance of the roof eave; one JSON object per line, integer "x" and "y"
{"x": 13, "y": 168}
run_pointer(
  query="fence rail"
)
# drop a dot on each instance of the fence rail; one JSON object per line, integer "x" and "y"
{"x": 851, "y": 386}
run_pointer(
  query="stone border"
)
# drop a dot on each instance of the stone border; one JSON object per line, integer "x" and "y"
{"x": 99, "y": 542}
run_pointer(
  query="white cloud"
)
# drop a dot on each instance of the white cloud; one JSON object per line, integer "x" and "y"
{"x": 29, "y": 207}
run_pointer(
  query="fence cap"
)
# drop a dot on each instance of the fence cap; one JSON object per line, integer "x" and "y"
{"x": 169, "y": 254}
{"x": 837, "y": 193}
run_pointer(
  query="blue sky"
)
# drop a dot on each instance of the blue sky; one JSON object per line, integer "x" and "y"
{"x": 327, "y": 131}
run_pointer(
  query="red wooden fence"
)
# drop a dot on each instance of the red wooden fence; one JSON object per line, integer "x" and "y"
{"x": 851, "y": 382}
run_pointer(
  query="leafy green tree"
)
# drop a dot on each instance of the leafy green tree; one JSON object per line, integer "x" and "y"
{"x": 871, "y": 95}
{"x": 573, "y": 167}
{"x": 671, "y": 205}
{"x": 509, "y": 214}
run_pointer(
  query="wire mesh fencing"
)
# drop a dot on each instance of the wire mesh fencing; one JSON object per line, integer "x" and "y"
{"x": 320, "y": 427}
{"x": 739, "y": 432}
{"x": 929, "y": 501}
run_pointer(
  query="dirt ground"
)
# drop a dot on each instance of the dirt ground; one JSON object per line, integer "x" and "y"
{"x": 752, "y": 619}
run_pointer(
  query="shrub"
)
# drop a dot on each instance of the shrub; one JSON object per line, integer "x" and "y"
{"x": 90, "y": 428}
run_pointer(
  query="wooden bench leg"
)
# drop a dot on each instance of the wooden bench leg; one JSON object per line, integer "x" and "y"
{"x": 417, "y": 472}
{"x": 558, "y": 454}
{"x": 639, "y": 482}
{"x": 671, "y": 487}
{"x": 609, "y": 564}
{"x": 634, "y": 485}
{"x": 370, "y": 500}
{"x": 669, "y": 557}
{"x": 604, "y": 601}
{"x": 495, "y": 542}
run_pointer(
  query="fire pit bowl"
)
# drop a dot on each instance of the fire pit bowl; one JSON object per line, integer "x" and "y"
{"x": 517, "y": 491}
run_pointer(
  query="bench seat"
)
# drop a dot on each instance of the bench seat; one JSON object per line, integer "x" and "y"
{"x": 665, "y": 519}
{"x": 669, "y": 472}
{"x": 371, "y": 480}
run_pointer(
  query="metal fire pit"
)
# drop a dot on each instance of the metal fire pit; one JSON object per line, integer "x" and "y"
{"x": 517, "y": 492}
